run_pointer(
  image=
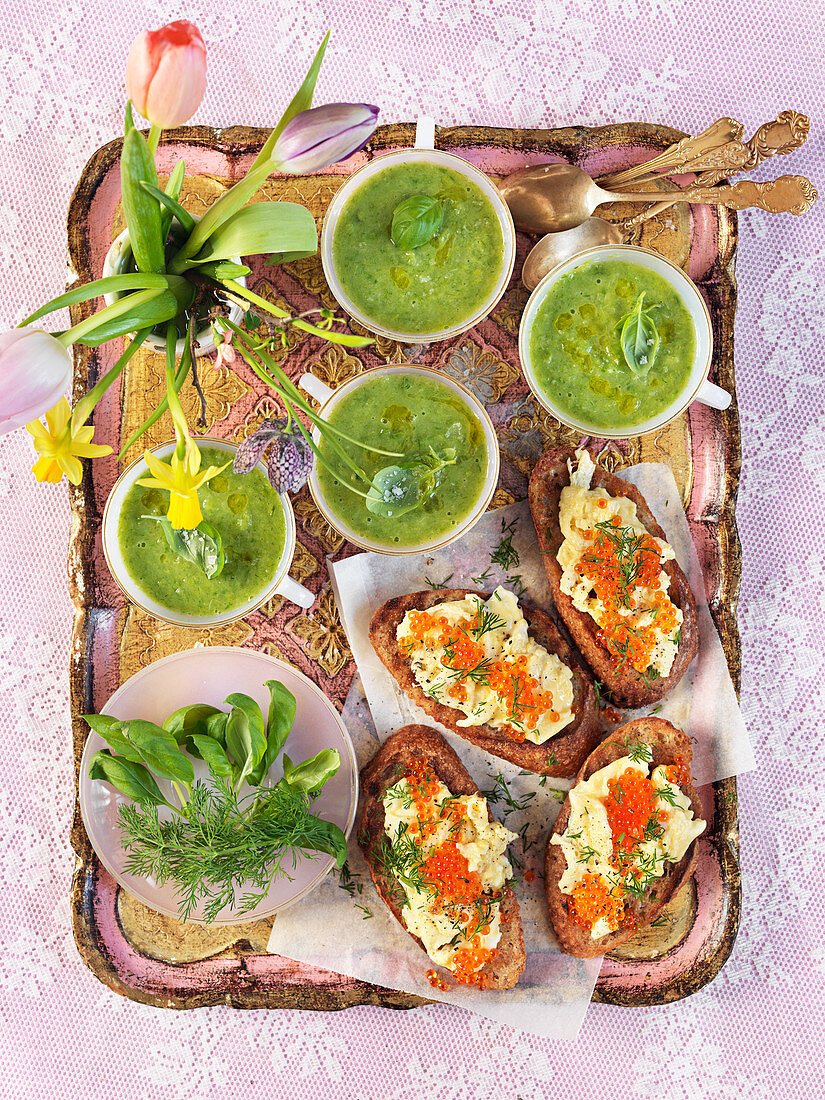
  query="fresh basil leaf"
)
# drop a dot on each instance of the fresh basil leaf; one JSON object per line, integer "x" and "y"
{"x": 159, "y": 750}
{"x": 245, "y": 734}
{"x": 188, "y": 720}
{"x": 216, "y": 727}
{"x": 202, "y": 546}
{"x": 133, "y": 780}
{"x": 312, "y": 774}
{"x": 394, "y": 490}
{"x": 110, "y": 729}
{"x": 640, "y": 338}
{"x": 212, "y": 754}
{"x": 328, "y": 838}
{"x": 415, "y": 221}
{"x": 278, "y": 725}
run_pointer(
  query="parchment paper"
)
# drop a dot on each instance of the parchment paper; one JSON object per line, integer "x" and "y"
{"x": 328, "y": 929}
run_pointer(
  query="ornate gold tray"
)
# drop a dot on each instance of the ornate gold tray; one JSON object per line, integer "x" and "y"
{"x": 154, "y": 959}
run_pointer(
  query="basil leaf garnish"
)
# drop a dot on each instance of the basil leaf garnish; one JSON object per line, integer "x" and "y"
{"x": 202, "y": 547}
{"x": 313, "y": 773}
{"x": 415, "y": 221}
{"x": 396, "y": 490}
{"x": 640, "y": 338}
{"x": 133, "y": 780}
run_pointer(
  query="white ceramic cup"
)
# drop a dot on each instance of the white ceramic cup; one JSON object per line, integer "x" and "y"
{"x": 281, "y": 584}
{"x": 697, "y": 387}
{"x": 329, "y": 398}
{"x": 116, "y": 259}
{"x": 423, "y": 152}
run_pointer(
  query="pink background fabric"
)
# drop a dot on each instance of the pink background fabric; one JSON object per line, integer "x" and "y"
{"x": 756, "y": 1030}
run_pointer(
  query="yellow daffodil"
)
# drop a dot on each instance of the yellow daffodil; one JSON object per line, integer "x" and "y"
{"x": 180, "y": 478}
{"x": 61, "y": 445}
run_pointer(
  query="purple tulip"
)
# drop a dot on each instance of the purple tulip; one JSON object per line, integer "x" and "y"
{"x": 34, "y": 373}
{"x": 324, "y": 135}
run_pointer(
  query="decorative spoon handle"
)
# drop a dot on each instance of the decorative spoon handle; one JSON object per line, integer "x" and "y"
{"x": 676, "y": 156}
{"x": 788, "y": 131}
{"x": 787, "y": 194}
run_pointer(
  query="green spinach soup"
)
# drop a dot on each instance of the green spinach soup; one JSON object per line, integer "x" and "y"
{"x": 435, "y": 285}
{"x": 408, "y": 414}
{"x": 245, "y": 510}
{"x": 612, "y": 344}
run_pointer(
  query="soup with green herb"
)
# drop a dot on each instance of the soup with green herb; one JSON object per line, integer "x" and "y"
{"x": 449, "y": 255}
{"x": 612, "y": 344}
{"x": 420, "y": 418}
{"x": 247, "y": 513}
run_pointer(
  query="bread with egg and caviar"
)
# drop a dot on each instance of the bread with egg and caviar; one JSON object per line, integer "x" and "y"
{"x": 562, "y": 754}
{"x": 629, "y": 808}
{"x": 420, "y": 747}
{"x": 628, "y": 686}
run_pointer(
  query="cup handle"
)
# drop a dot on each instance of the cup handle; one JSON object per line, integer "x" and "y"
{"x": 315, "y": 388}
{"x": 295, "y": 592}
{"x": 713, "y": 396}
{"x": 425, "y": 133}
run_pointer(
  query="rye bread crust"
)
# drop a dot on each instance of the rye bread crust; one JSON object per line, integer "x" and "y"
{"x": 561, "y": 756}
{"x": 398, "y": 751}
{"x": 627, "y": 687}
{"x": 669, "y": 745}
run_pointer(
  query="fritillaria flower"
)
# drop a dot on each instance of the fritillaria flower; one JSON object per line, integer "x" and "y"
{"x": 61, "y": 446}
{"x": 181, "y": 479}
{"x": 34, "y": 372}
{"x": 322, "y": 136}
{"x": 290, "y": 457}
{"x": 166, "y": 73}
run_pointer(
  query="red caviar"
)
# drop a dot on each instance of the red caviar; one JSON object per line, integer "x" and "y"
{"x": 630, "y": 809}
{"x": 616, "y": 575}
{"x": 437, "y": 981}
{"x": 522, "y": 694}
{"x": 593, "y": 901}
{"x": 448, "y": 871}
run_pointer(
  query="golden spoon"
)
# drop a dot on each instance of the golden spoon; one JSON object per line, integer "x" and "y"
{"x": 554, "y": 248}
{"x": 550, "y": 197}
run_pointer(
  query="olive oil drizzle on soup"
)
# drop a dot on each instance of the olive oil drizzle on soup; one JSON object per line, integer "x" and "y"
{"x": 433, "y": 287}
{"x": 406, "y": 413}
{"x": 575, "y": 345}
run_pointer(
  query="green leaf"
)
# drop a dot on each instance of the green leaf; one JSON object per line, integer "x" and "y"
{"x": 142, "y": 211}
{"x": 245, "y": 734}
{"x": 279, "y": 722}
{"x": 212, "y": 754}
{"x": 163, "y": 307}
{"x": 301, "y": 101}
{"x": 133, "y": 780}
{"x": 159, "y": 750}
{"x": 188, "y": 720}
{"x": 394, "y": 491}
{"x": 128, "y": 121}
{"x": 260, "y": 228}
{"x": 327, "y": 837}
{"x": 202, "y": 546}
{"x": 112, "y": 284}
{"x": 110, "y": 729}
{"x": 640, "y": 338}
{"x": 174, "y": 208}
{"x": 172, "y": 189}
{"x": 312, "y": 774}
{"x": 216, "y": 728}
{"x": 415, "y": 221}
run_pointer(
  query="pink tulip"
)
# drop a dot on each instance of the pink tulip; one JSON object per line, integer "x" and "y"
{"x": 321, "y": 136}
{"x": 166, "y": 73}
{"x": 34, "y": 373}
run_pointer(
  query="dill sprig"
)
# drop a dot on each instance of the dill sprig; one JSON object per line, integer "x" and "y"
{"x": 505, "y": 554}
{"x": 220, "y": 841}
{"x": 631, "y": 553}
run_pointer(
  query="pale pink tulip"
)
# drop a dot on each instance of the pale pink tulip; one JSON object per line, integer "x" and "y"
{"x": 166, "y": 73}
{"x": 34, "y": 373}
{"x": 321, "y": 136}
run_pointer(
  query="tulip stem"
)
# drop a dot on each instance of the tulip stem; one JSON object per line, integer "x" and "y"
{"x": 85, "y": 406}
{"x": 154, "y": 138}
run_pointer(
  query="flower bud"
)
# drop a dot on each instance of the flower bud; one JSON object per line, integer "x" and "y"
{"x": 321, "y": 136}
{"x": 166, "y": 73}
{"x": 34, "y": 373}
{"x": 290, "y": 462}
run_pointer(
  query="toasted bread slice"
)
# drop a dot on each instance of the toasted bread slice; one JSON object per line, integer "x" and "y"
{"x": 627, "y": 686}
{"x": 559, "y": 756}
{"x": 669, "y": 746}
{"x": 397, "y": 752}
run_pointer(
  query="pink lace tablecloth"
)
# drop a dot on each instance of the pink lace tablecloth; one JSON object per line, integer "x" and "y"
{"x": 756, "y": 1030}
